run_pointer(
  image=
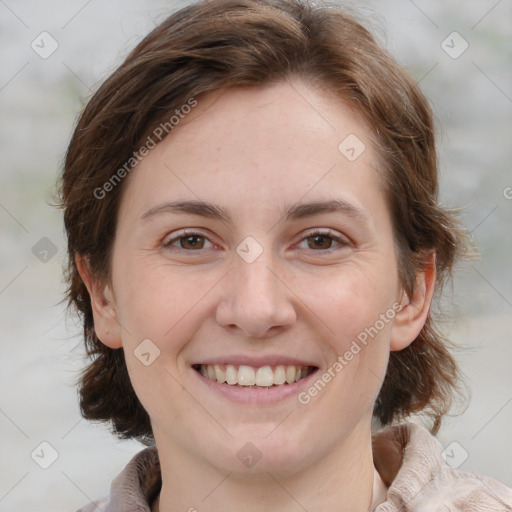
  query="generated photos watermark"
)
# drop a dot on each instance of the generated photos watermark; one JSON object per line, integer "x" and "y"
{"x": 342, "y": 361}
{"x": 158, "y": 134}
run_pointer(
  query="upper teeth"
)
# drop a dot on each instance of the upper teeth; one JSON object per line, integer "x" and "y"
{"x": 264, "y": 376}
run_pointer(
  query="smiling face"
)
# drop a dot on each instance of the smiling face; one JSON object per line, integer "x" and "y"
{"x": 250, "y": 248}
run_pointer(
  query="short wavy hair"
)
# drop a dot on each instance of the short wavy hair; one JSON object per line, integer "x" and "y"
{"x": 220, "y": 44}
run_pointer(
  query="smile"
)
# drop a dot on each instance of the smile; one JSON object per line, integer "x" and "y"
{"x": 249, "y": 376}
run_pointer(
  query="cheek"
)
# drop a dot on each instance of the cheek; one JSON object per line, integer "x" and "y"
{"x": 350, "y": 301}
{"x": 159, "y": 300}
{"x": 356, "y": 313}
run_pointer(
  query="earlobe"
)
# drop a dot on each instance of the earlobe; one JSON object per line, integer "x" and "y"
{"x": 103, "y": 307}
{"x": 414, "y": 310}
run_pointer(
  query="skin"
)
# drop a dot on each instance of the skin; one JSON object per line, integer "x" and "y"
{"x": 253, "y": 152}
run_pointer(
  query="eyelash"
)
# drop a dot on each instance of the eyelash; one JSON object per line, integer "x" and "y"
{"x": 342, "y": 241}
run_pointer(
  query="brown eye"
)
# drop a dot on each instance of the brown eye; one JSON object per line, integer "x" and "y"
{"x": 191, "y": 242}
{"x": 320, "y": 242}
{"x": 187, "y": 242}
{"x": 323, "y": 241}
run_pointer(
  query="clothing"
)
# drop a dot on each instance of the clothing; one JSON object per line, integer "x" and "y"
{"x": 407, "y": 457}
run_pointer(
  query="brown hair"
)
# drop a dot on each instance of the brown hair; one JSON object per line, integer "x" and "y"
{"x": 217, "y": 44}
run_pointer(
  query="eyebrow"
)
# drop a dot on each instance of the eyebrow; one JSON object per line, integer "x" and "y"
{"x": 295, "y": 211}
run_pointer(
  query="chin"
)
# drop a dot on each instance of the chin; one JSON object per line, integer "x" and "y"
{"x": 253, "y": 453}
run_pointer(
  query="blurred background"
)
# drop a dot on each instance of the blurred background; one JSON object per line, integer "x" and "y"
{"x": 54, "y": 55}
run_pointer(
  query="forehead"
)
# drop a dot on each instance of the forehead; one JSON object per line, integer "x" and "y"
{"x": 256, "y": 147}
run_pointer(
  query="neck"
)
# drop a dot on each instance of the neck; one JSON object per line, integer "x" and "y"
{"x": 341, "y": 481}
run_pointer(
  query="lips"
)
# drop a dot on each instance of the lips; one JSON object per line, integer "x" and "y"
{"x": 265, "y": 376}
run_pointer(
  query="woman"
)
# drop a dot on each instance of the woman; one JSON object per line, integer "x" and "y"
{"x": 255, "y": 244}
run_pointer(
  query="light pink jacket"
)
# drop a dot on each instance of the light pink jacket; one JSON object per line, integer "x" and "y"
{"x": 407, "y": 457}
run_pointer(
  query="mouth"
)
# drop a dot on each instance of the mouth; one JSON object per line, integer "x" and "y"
{"x": 250, "y": 377}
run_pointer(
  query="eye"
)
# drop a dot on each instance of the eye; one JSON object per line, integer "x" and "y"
{"x": 188, "y": 241}
{"x": 323, "y": 241}
{"x": 318, "y": 241}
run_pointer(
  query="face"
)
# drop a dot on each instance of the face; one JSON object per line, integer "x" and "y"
{"x": 252, "y": 246}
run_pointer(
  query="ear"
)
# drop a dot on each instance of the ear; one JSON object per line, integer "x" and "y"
{"x": 104, "y": 312}
{"x": 413, "y": 313}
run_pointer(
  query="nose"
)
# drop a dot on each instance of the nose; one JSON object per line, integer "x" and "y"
{"x": 255, "y": 299}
